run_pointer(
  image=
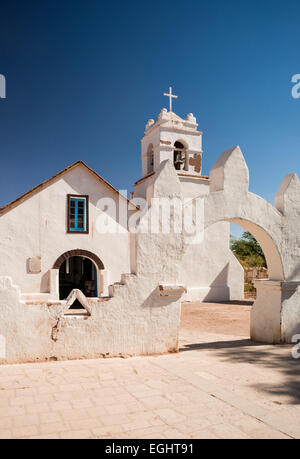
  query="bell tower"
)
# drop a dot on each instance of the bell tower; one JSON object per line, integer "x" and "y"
{"x": 174, "y": 138}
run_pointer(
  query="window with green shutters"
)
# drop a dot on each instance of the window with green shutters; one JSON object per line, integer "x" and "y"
{"x": 77, "y": 214}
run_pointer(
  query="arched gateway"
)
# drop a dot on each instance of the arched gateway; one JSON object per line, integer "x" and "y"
{"x": 275, "y": 316}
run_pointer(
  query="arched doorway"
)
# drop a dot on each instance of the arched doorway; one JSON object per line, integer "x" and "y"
{"x": 219, "y": 305}
{"x": 266, "y": 242}
{"x": 79, "y": 269}
{"x": 250, "y": 256}
{"x": 229, "y": 200}
{"x": 233, "y": 203}
{"x": 78, "y": 273}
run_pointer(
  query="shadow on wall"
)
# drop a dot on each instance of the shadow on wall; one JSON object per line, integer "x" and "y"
{"x": 246, "y": 352}
{"x": 34, "y": 267}
{"x": 156, "y": 300}
{"x": 219, "y": 289}
{"x": 45, "y": 282}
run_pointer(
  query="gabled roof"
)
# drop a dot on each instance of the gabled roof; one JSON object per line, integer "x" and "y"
{"x": 51, "y": 179}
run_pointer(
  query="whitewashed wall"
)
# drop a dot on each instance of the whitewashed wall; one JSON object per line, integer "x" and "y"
{"x": 38, "y": 227}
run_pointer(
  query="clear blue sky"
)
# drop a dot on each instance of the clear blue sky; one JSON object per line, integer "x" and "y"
{"x": 83, "y": 77}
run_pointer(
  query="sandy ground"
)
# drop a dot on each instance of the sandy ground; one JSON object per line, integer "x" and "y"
{"x": 220, "y": 385}
{"x": 227, "y": 318}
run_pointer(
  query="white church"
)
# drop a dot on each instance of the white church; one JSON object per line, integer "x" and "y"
{"x": 69, "y": 290}
{"x": 58, "y": 249}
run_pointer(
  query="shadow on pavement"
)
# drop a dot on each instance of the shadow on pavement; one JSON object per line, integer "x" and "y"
{"x": 261, "y": 355}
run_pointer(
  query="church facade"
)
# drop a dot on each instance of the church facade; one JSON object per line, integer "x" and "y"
{"x": 87, "y": 273}
{"x": 58, "y": 246}
{"x": 70, "y": 290}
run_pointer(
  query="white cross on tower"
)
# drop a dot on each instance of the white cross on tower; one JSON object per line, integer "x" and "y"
{"x": 171, "y": 96}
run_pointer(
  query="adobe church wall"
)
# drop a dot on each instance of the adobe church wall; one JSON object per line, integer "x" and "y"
{"x": 193, "y": 187}
{"x": 210, "y": 270}
{"x": 142, "y": 316}
{"x": 140, "y": 188}
{"x": 37, "y": 227}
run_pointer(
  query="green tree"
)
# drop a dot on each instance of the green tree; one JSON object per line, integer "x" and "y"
{"x": 248, "y": 251}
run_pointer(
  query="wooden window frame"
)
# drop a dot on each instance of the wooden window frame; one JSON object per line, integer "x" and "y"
{"x": 86, "y": 198}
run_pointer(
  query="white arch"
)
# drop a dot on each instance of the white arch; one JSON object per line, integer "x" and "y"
{"x": 254, "y": 214}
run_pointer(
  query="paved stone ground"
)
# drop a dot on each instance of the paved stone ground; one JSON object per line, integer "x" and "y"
{"x": 218, "y": 386}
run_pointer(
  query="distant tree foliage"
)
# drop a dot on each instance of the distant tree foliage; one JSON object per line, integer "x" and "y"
{"x": 248, "y": 251}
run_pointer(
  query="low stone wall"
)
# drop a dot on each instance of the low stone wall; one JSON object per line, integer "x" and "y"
{"x": 118, "y": 326}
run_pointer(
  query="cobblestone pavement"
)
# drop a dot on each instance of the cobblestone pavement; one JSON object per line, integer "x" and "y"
{"x": 218, "y": 386}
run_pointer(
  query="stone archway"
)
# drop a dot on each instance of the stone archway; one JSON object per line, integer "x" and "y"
{"x": 267, "y": 238}
{"x": 275, "y": 317}
{"x": 78, "y": 253}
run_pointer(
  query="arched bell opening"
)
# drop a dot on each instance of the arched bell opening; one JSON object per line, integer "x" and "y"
{"x": 180, "y": 156}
